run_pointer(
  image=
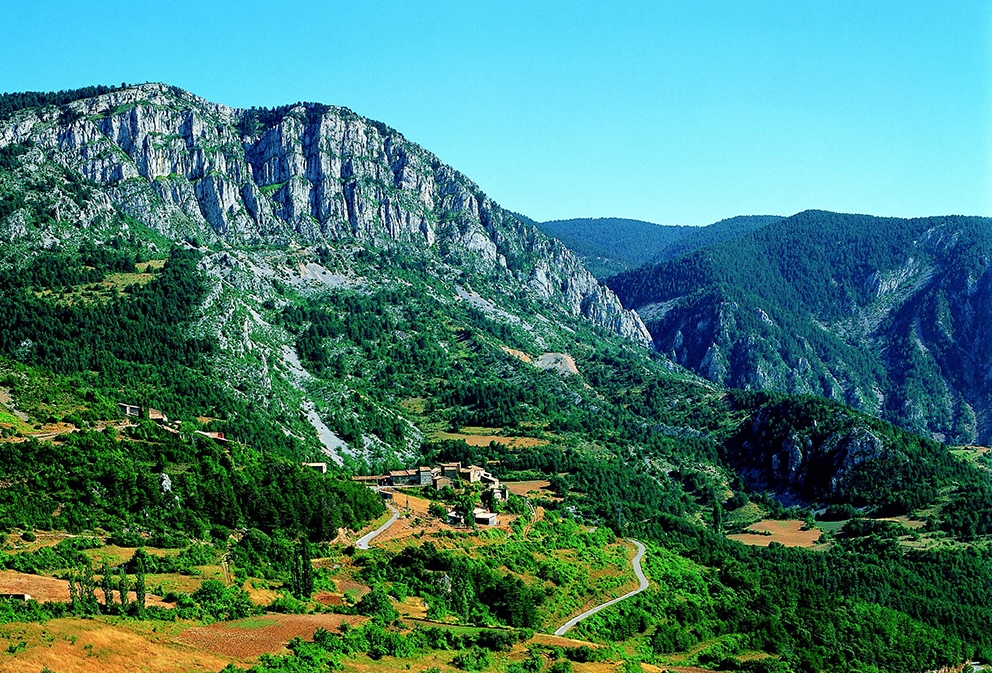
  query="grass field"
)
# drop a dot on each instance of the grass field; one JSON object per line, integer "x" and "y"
{"x": 100, "y": 646}
{"x": 525, "y": 488}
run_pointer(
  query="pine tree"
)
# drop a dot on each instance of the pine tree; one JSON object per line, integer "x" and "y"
{"x": 139, "y": 585}
{"x": 301, "y": 583}
{"x": 82, "y": 590}
{"x": 107, "y": 586}
{"x": 123, "y": 588}
{"x": 717, "y": 514}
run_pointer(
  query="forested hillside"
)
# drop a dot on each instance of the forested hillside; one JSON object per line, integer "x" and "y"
{"x": 610, "y": 245}
{"x": 885, "y": 314}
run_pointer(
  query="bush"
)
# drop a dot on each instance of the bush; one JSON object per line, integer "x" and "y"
{"x": 28, "y": 536}
{"x": 375, "y": 604}
{"x": 474, "y": 659}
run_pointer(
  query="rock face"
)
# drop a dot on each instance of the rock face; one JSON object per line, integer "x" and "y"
{"x": 812, "y": 450}
{"x": 889, "y": 316}
{"x": 307, "y": 174}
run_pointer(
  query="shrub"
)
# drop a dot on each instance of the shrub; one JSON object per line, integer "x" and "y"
{"x": 474, "y": 659}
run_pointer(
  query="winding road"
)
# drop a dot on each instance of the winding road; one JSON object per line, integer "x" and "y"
{"x": 363, "y": 542}
{"x": 643, "y": 584}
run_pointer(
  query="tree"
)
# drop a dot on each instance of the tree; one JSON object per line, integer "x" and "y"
{"x": 139, "y": 582}
{"x": 717, "y": 514}
{"x": 438, "y": 510}
{"x": 107, "y": 585}
{"x": 82, "y": 589}
{"x": 123, "y": 587}
{"x": 466, "y": 507}
{"x": 376, "y": 605}
{"x": 301, "y": 583}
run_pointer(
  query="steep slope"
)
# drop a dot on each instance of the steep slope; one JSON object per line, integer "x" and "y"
{"x": 305, "y": 174}
{"x": 885, "y": 314}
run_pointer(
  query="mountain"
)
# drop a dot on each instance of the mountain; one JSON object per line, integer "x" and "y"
{"x": 301, "y": 284}
{"x": 718, "y": 232}
{"x": 304, "y": 174}
{"x": 611, "y": 245}
{"x": 885, "y": 314}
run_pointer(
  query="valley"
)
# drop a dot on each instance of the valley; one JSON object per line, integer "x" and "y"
{"x": 221, "y": 326}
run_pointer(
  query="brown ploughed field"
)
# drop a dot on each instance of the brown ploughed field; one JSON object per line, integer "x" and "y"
{"x": 788, "y": 533}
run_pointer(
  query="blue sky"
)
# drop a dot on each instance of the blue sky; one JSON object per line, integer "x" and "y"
{"x": 672, "y": 112}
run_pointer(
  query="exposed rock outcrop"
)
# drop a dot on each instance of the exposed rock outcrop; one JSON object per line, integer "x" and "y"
{"x": 308, "y": 173}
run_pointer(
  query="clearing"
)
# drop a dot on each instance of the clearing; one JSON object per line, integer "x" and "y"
{"x": 249, "y": 638}
{"x": 536, "y": 488}
{"x": 484, "y": 440}
{"x": 789, "y": 533}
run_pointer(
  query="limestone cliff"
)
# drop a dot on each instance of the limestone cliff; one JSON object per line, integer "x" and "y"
{"x": 308, "y": 174}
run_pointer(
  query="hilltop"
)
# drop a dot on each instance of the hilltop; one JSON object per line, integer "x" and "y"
{"x": 610, "y": 245}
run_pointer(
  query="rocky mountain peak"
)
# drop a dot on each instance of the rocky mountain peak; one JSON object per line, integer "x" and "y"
{"x": 308, "y": 174}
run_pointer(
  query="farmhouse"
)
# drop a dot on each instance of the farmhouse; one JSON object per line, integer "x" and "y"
{"x": 485, "y": 518}
{"x": 375, "y": 480}
{"x": 419, "y": 477}
{"x": 439, "y": 476}
{"x": 451, "y": 470}
{"x": 472, "y": 473}
{"x": 319, "y": 467}
{"x": 495, "y": 494}
{"x": 129, "y": 409}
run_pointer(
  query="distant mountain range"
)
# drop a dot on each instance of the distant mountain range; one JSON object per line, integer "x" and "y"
{"x": 610, "y": 245}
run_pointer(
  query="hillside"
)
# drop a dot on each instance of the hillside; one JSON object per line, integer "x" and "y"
{"x": 611, "y": 245}
{"x": 304, "y": 285}
{"x": 884, "y": 314}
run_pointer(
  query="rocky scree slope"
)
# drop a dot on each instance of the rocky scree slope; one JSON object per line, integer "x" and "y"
{"x": 306, "y": 174}
{"x": 887, "y": 315}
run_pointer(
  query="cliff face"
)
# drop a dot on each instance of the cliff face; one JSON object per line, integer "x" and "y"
{"x": 886, "y": 315}
{"x": 307, "y": 174}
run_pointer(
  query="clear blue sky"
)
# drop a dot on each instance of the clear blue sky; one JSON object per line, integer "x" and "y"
{"x": 672, "y": 112}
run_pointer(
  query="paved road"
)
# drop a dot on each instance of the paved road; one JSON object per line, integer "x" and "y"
{"x": 363, "y": 542}
{"x": 643, "y": 584}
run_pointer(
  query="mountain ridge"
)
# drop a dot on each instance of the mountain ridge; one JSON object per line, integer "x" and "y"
{"x": 612, "y": 245}
{"x": 883, "y": 313}
{"x": 306, "y": 173}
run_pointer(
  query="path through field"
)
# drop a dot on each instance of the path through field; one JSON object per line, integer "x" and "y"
{"x": 642, "y": 585}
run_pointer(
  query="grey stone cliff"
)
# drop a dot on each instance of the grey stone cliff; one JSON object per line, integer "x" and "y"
{"x": 306, "y": 174}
